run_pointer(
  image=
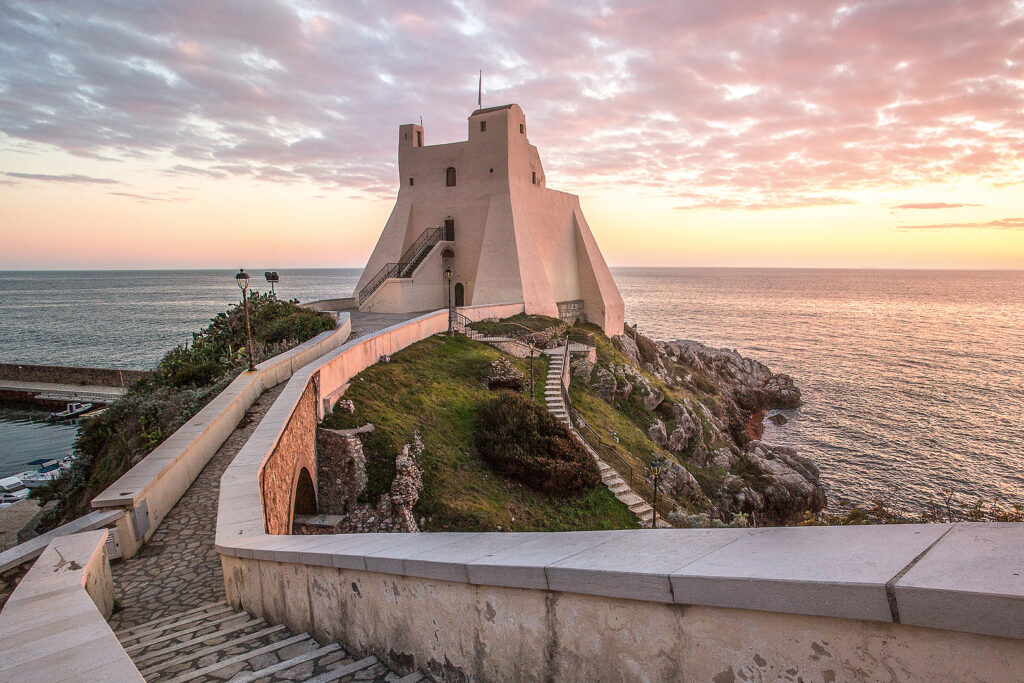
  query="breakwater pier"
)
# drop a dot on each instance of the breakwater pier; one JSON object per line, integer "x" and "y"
{"x": 54, "y": 384}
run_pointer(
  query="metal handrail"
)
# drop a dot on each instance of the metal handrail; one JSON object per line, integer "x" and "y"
{"x": 409, "y": 259}
{"x": 603, "y": 446}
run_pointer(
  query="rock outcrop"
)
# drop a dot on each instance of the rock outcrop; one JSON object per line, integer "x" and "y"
{"x": 715, "y": 430}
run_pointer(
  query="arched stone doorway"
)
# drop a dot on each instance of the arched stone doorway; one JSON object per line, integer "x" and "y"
{"x": 305, "y": 495}
{"x": 460, "y": 294}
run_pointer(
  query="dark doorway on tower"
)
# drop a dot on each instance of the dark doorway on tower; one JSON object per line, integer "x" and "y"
{"x": 460, "y": 294}
{"x": 305, "y": 494}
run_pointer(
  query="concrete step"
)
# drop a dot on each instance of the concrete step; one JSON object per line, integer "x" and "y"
{"x": 151, "y": 656}
{"x": 226, "y": 624}
{"x": 287, "y": 664}
{"x": 192, "y": 675}
{"x": 631, "y": 499}
{"x": 617, "y": 487}
{"x": 640, "y": 509}
{"x": 354, "y": 667}
{"x": 173, "y": 617}
{"x": 174, "y": 625}
{"x": 265, "y": 633}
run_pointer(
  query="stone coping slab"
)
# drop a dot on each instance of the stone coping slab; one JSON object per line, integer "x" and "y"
{"x": 971, "y": 580}
{"x": 830, "y": 571}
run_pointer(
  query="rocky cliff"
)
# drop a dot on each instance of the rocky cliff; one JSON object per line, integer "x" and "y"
{"x": 706, "y": 407}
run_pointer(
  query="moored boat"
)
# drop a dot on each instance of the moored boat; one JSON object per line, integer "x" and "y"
{"x": 72, "y": 410}
{"x": 48, "y": 470}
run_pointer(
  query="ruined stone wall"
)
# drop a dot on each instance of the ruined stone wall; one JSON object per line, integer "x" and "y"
{"x": 295, "y": 449}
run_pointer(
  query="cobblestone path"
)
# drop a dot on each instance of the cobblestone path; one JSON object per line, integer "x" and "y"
{"x": 179, "y": 569}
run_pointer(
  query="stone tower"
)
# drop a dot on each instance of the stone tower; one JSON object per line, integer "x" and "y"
{"x": 481, "y": 208}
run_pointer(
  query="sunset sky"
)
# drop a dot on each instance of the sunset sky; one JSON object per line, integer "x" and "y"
{"x": 767, "y": 133}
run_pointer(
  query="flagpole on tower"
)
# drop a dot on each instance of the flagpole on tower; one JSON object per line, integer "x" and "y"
{"x": 480, "y": 91}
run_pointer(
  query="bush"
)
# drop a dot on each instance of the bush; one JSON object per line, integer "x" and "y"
{"x": 524, "y": 441}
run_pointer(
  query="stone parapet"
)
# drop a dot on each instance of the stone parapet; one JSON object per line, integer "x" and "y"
{"x": 53, "y": 628}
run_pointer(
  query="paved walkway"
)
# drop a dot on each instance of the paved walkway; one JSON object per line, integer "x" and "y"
{"x": 179, "y": 568}
{"x": 367, "y": 323}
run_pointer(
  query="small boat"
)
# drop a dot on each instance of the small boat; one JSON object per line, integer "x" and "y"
{"x": 12, "y": 490}
{"x": 72, "y": 410}
{"x": 48, "y": 471}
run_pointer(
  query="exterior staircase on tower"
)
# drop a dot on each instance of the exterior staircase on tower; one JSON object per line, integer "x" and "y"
{"x": 216, "y": 643}
{"x": 410, "y": 260}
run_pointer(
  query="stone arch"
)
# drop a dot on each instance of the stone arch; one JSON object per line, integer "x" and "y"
{"x": 460, "y": 294}
{"x": 304, "y": 498}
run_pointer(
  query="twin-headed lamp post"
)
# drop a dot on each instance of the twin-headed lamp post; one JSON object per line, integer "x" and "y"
{"x": 242, "y": 278}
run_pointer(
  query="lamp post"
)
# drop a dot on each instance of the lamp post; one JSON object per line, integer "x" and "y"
{"x": 273, "y": 278}
{"x": 242, "y": 278}
{"x": 656, "y": 464}
{"x": 448, "y": 280}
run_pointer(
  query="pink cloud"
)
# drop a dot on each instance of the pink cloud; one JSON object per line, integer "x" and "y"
{"x": 776, "y": 102}
{"x": 999, "y": 224}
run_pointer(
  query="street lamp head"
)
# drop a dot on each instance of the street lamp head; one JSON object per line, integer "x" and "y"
{"x": 656, "y": 465}
{"x": 447, "y": 273}
{"x": 242, "y": 278}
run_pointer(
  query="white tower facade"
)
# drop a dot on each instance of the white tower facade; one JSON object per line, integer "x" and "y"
{"x": 481, "y": 208}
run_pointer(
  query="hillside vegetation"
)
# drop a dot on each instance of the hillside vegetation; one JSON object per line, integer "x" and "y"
{"x": 436, "y": 387}
{"x": 186, "y": 379}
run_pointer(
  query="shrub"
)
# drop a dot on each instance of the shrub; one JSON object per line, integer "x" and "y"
{"x": 524, "y": 441}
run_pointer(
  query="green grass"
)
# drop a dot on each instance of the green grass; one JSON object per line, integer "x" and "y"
{"x": 513, "y": 326}
{"x": 435, "y": 386}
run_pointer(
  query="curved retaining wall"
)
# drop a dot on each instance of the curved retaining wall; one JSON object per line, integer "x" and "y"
{"x": 54, "y": 628}
{"x": 900, "y": 602}
{"x": 148, "y": 491}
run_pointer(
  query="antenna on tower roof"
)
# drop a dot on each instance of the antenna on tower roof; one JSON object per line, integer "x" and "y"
{"x": 480, "y": 91}
{"x": 421, "y": 120}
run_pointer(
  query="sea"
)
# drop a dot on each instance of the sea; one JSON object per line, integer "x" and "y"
{"x": 911, "y": 379}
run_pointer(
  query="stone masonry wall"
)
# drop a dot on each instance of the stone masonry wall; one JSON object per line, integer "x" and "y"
{"x": 295, "y": 449}
{"x": 55, "y": 374}
{"x": 343, "y": 479}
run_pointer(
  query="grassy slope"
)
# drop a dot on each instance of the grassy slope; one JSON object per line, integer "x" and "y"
{"x": 435, "y": 386}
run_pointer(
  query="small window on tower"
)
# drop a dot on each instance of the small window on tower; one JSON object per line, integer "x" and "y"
{"x": 410, "y": 182}
{"x": 522, "y": 128}
{"x": 449, "y": 176}
{"x": 419, "y": 138}
{"x": 492, "y": 170}
{"x": 534, "y": 178}
{"x": 483, "y": 126}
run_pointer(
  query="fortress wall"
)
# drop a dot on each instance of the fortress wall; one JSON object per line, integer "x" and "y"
{"x": 900, "y": 602}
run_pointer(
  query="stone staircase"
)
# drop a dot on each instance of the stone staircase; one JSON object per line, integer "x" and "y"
{"x": 216, "y": 643}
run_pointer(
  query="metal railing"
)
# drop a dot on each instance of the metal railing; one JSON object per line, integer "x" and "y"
{"x": 409, "y": 260}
